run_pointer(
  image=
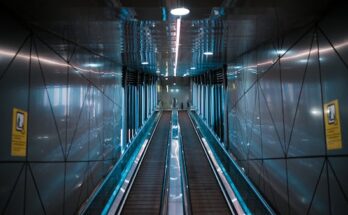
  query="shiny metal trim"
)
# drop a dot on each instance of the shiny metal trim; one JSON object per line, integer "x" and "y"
{"x": 83, "y": 209}
{"x": 258, "y": 194}
{"x": 185, "y": 184}
{"x": 121, "y": 197}
{"x": 225, "y": 187}
{"x": 175, "y": 197}
{"x": 164, "y": 197}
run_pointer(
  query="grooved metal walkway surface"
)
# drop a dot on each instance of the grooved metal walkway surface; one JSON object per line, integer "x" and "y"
{"x": 145, "y": 194}
{"x": 205, "y": 194}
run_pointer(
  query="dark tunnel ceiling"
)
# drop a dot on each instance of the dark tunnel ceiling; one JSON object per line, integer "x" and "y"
{"x": 133, "y": 31}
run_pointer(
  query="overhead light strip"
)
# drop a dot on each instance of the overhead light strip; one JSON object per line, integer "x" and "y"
{"x": 178, "y": 26}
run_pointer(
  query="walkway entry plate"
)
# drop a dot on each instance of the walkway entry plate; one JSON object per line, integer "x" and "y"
{"x": 332, "y": 125}
{"x": 19, "y": 133}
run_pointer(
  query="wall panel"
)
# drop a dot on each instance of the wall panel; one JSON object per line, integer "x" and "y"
{"x": 73, "y": 100}
{"x": 277, "y": 132}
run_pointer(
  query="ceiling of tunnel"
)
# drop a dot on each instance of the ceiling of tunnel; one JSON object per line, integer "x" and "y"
{"x": 132, "y": 32}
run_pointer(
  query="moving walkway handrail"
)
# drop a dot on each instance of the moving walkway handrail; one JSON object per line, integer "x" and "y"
{"x": 164, "y": 194}
{"x": 233, "y": 203}
{"x": 184, "y": 184}
{"x": 87, "y": 207}
{"x": 115, "y": 208}
{"x": 245, "y": 178}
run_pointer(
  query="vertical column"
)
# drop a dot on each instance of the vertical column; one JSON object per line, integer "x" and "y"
{"x": 212, "y": 97}
{"x": 214, "y": 107}
{"x": 131, "y": 111}
{"x": 150, "y": 90}
{"x": 143, "y": 102}
{"x": 124, "y": 110}
{"x": 136, "y": 107}
{"x": 225, "y": 108}
{"x": 220, "y": 113}
{"x": 146, "y": 98}
{"x": 201, "y": 96}
{"x": 194, "y": 93}
{"x": 209, "y": 100}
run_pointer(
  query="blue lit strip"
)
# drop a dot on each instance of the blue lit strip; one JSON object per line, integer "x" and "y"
{"x": 119, "y": 185}
{"x": 234, "y": 188}
{"x": 164, "y": 14}
{"x": 128, "y": 166}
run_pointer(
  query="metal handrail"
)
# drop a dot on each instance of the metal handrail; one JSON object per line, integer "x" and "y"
{"x": 233, "y": 205}
{"x": 165, "y": 189}
{"x": 84, "y": 208}
{"x": 133, "y": 176}
{"x": 184, "y": 183}
{"x": 175, "y": 140}
{"x": 247, "y": 180}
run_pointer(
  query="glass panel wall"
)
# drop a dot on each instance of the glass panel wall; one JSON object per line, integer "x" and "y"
{"x": 73, "y": 99}
{"x": 276, "y": 121}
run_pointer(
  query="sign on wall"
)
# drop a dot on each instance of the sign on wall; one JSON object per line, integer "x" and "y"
{"x": 332, "y": 125}
{"x": 19, "y": 132}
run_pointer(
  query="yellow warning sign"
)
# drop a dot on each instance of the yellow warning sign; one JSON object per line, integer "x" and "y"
{"x": 332, "y": 125}
{"x": 19, "y": 132}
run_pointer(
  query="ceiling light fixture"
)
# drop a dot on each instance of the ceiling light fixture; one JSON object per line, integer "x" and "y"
{"x": 193, "y": 68}
{"x": 93, "y": 65}
{"x": 280, "y": 52}
{"x": 145, "y": 63}
{"x": 180, "y": 11}
{"x": 208, "y": 53}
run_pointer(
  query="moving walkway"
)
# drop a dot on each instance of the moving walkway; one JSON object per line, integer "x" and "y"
{"x": 176, "y": 171}
{"x": 206, "y": 196}
{"x": 146, "y": 192}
